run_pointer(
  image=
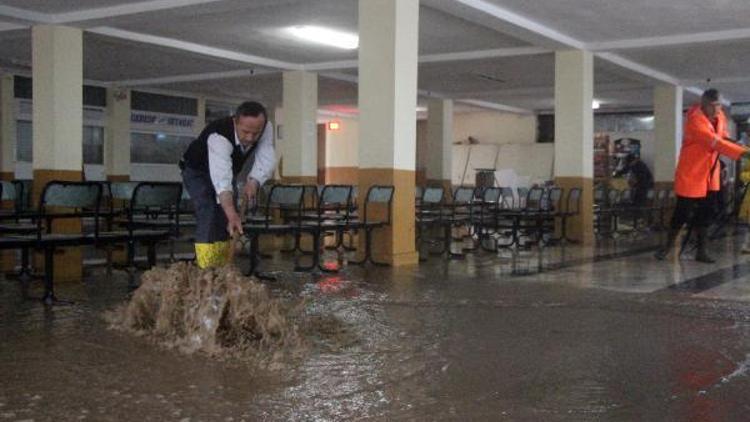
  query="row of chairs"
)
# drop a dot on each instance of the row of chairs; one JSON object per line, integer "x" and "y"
{"x": 616, "y": 213}
{"x": 496, "y": 216}
{"x": 32, "y": 229}
{"x": 330, "y": 210}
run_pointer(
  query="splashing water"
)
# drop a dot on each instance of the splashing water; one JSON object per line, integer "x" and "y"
{"x": 218, "y": 312}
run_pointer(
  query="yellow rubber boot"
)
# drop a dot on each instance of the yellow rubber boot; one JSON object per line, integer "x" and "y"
{"x": 211, "y": 255}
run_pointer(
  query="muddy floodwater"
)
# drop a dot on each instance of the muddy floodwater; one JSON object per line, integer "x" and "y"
{"x": 464, "y": 340}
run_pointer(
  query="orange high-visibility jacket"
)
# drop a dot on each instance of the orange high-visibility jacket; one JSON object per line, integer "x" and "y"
{"x": 701, "y": 146}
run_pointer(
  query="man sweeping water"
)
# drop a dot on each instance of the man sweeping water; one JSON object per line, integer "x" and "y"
{"x": 210, "y": 166}
{"x": 697, "y": 181}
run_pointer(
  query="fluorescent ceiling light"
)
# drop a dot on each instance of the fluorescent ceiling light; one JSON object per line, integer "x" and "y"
{"x": 320, "y": 35}
{"x": 595, "y": 105}
{"x": 647, "y": 119}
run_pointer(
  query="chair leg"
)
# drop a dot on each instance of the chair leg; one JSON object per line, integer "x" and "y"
{"x": 151, "y": 254}
{"x": 49, "y": 277}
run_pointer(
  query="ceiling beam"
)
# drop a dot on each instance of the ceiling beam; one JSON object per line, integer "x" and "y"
{"x": 522, "y": 22}
{"x": 125, "y": 9}
{"x": 8, "y": 26}
{"x": 194, "y": 48}
{"x": 731, "y": 80}
{"x": 440, "y": 58}
{"x": 25, "y": 15}
{"x": 434, "y": 94}
{"x": 483, "y": 54}
{"x": 671, "y": 40}
{"x": 195, "y": 77}
{"x": 556, "y": 36}
{"x": 495, "y": 106}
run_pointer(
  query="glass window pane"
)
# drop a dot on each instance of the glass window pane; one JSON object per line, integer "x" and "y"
{"x": 93, "y": 145}
{"x": 24, "y": 136}
{"x": 157, "y": 148}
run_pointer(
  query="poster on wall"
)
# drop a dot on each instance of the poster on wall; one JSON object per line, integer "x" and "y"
{"x": 622, "y": 148}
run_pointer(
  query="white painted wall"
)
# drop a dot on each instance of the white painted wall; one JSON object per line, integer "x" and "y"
{"x": 342, "y": 146}
{"x": 495, "y": 128}
{"x": 506, "y": 141}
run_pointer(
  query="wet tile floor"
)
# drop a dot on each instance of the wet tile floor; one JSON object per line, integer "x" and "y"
{"x": 623, "y": 337}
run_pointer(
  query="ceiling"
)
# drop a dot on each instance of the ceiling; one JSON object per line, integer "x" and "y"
{"x": 497, "y": 52}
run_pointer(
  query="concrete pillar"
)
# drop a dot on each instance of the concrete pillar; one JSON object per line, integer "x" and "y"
{"x": 200, "y": 118}
{"x": 667, "y": 133}
{"x": 7, "y": 128}
{"x": 299, "y": 147}
{"x": 574, "y": 134}
{"x": 57, "y": 71}
{"x": 117, "y": 139}
{"x": 440, "y": 143}
{"x": 388, "y": 37}
{"x": 7, "y": 152}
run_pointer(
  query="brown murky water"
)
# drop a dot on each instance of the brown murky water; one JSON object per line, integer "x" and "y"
{"x": 216, "y": 312}
{"x": 458, "y": 341}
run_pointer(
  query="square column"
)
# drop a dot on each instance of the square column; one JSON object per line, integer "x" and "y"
{"x": 667, "y": 132}
{"x": 299, "y": 148}
{"x": 7, "y": 128}
{"x": 440, "y": 144}
{"x": 7, "y": 153}
{"x": 57, "y": 71}
{"x": 117, "y": 141}
{"x": 388, "y": 37}
{"x": 574, "y": 135}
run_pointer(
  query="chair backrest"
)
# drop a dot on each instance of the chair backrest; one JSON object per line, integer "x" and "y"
{"x": 381, "y": 195}
{"x": 7, "y": 191}
{"x": 534, "y": 199}
{"x": 75, "y": 195}
{"x": 492, "y": 195}
{"x": 626, "y": 197}
{"x": 335, "y": 197}
{"x": 123, "y": 191}
{"x": 573, "y": 206}
{"x": 613, "y": 197}
{"x": 554, "y": 199}
{"x": 508, "y": 200}
{"x": 76, "y": 198}
{"x": 23, "y": 194}
{"x": 433, "y": 195}
{"x": 286, "y": 196}
{"x": 157, "y": 196}
{"x": 463, "y": 195}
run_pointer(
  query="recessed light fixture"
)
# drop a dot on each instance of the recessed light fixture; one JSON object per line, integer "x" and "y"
{"x": 325, "y": 36}
{"x": 595, "y": 105}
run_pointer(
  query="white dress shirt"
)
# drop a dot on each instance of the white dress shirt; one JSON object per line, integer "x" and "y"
{"x": 220, "y": 160}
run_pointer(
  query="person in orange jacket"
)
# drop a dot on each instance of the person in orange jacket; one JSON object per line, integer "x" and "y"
{"x": 697, "y": 176}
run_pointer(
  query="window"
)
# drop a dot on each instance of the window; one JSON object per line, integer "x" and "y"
{"x": 157, "y": 148}
{"x": 93, "y": 145}
{"x": 545, "y": 128}
{"x": 24, "y": 137}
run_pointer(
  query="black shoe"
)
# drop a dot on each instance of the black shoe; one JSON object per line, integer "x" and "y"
{"x": 701, "y": 255}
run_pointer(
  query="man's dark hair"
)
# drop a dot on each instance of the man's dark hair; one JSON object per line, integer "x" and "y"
{"x": 252, "y": 109}
{"x": 710, "y": 95}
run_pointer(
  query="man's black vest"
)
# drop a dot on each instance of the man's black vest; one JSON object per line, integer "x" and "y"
{"x": 196, "y": 156}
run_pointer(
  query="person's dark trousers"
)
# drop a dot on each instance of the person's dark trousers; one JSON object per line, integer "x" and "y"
{"x": 211, "y": 236}
{"x": 697, "y": 212}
